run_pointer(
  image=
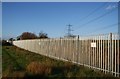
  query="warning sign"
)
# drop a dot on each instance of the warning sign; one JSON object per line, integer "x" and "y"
{"x": 93, "y": 44}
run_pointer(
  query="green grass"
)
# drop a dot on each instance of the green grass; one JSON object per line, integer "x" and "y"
{"x": 16, "y": 63}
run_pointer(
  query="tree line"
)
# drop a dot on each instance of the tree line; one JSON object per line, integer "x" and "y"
{"x": 29, "y": 35}
{"x": 24, "y": 36}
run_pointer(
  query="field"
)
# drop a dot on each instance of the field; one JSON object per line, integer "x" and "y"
{"x": 17, "y": 62}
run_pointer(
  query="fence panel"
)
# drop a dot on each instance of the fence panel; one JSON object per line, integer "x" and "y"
{"x": 105, "y": 55}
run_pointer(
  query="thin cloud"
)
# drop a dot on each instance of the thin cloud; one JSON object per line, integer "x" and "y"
{"x": 109, "y": 7}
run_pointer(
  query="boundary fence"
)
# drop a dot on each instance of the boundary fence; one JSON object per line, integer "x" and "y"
{"x": 99, "y": 51}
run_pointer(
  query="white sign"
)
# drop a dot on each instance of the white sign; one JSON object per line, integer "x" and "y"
{"x": 93, "y": 44}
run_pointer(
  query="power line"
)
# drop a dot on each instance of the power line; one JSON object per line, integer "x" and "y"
{"x": 97, "y": 18}
{"x": 94, "y": 11}
{"x": 103, "y": 28}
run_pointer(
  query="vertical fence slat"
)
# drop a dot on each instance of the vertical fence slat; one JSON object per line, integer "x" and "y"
{"x": 89, "y": 51}
{"x": 118, "y": 48}
{"x": 78, "y": 49}
{"x": 95, "y": 51}
{"x": 108, "y": 53}
{"x": 101, "y": 51}
{"x": 115, "y": 55}
{"x": 112, "y": 53}
{"x": 60, "y": 54}
{"x": 99, "y": 54}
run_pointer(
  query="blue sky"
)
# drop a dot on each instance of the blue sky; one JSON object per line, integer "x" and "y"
{"x": 52, "y": 18}
{"x": 60, "y": 0}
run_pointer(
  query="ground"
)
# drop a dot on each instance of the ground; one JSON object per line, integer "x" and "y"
{"x": 17, "y": 62}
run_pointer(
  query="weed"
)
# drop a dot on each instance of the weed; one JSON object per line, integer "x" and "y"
{"x": 38, "y": 68}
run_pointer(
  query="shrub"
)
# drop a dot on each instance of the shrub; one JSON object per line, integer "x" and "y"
{"x": 38, "y": 69}
{"x": 68, "y": 65}
{"x": 5, "y": 43}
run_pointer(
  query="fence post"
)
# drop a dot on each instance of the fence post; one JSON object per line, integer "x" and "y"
{"x": 112, "y": 54}
{"x": 94, "y": 52}
{"x": 60, "y": 53}
{"x": 77, "y": 48}
{"x": 115, "y": 55}
{"x": 101, "y": 53}
{"x": 110, "y": 51}
{"x": 118, "y": 56}
{"x": 89, "y": 42}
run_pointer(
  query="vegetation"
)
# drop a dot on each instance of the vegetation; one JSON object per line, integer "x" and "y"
{"x": 11, "y": 39}
{"x": 29, "y": 35}
{"x": 5, "y": 43}
{"x": 21, "y": 63}
{"x": 42, "y": 35}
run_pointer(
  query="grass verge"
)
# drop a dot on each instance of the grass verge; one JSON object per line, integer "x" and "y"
{"x": 17, "y": 63}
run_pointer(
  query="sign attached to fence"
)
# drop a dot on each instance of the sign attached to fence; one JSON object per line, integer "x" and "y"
{"x": 93, "y": 44}
{"x": 39, "y": 43}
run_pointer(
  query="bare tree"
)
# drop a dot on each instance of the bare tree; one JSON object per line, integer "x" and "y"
{"x": 43, "y": 35}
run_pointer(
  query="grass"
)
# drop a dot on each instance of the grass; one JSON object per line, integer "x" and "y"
{"x": 21, "y": 63}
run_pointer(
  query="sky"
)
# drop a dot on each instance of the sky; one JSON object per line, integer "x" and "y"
{"x": 60, "y": 0}
{"x": 0, "y": 20}
{"x": 52, "y": 18}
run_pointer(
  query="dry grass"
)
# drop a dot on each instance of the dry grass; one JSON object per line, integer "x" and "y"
{"x": 18, "y": 74}
{"x": 38, "y": 69}
{"x": 68, "y": 65}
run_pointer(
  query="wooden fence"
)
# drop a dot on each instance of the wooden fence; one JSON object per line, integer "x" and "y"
{"x": 99, "y": 52}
